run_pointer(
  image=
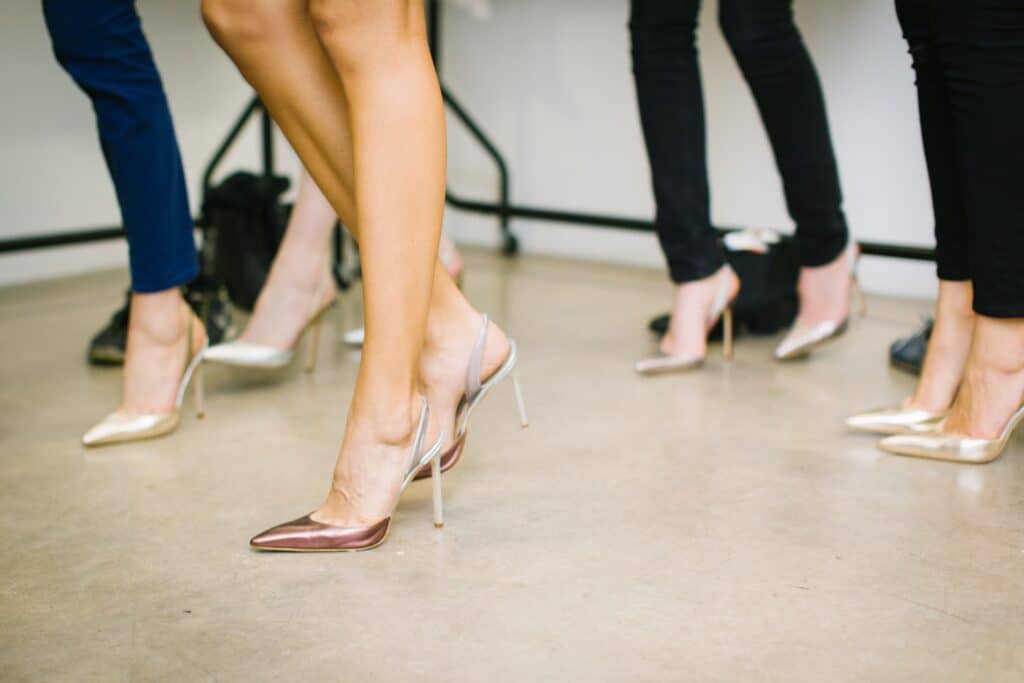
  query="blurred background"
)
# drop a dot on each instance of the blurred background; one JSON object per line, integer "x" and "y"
{"x": 549, "y": 81}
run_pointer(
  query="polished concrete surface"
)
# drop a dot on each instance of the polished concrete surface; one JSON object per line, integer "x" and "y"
{"x": 715, "y": 526}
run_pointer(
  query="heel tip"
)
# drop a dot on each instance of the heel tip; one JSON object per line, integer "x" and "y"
{"x": 438, "y": 526}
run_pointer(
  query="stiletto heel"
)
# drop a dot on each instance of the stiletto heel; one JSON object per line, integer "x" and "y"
{"x": 435, "y": 473}
{"x": 800, "y": 341}
{"x": 199, "y": 390}
{"x": 313, "y": 344}
{"x": 524, "y": 422}
{"x": 721, "y": 308}
{"x": 727, "y": 333}
{"x": 118, "y": 428}
{"x": 306, "y": 535}
{"x": 475, "y": 392}
{"x": 859, "y": 301}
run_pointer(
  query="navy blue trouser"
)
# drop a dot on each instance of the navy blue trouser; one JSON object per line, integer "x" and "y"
{"x": 969, "y": 59}
{"x": 771, "y": 54}
{"x": 101, "y": 45}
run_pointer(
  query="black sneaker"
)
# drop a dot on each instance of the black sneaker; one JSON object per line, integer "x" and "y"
{"x": 209, "y": 299}
{"x": 907, "y": 354}
{"x": 107, "y": 346}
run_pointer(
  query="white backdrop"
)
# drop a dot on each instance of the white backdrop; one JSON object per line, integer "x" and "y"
{"x": 550, "y": 80}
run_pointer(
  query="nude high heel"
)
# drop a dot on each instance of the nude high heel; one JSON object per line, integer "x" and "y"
{"x": 800, "y": 341}
{"x": 933, "y": 444}
{"x": 246, "y": 355}
{"x": 306, "y": 535}
{"x": 476, "y": 391}
{"x": 119, "y": 428}
{"x": 662, "y": 363}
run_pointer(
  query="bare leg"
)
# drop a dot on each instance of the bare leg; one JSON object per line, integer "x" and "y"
{"x": 824, "y": 292}
{"x": 948, "y": 348}
{"x": 357, "y": 96}
{"x": 687, "y": 332}
{"x": 156, "y": 352}
{"x": 300, "y": 282}
{"x": 993, "y": 385}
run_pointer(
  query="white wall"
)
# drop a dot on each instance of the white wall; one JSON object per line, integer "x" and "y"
{"x": 551, "y": 82}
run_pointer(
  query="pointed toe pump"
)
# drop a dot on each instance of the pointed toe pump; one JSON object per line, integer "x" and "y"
{"x": 663, "y": 363}
{"x": 934, "y": 444}
{"x": 118, "y": 428}
{"x": 801, "y": 340}
{"x": 476, "y": 391}
{"x": 259, "y": 356}
{"x": 894, "y": 420}
{"x": 306, "y": 535}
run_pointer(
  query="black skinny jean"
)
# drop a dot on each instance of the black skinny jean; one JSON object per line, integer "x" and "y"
{"x": 779, "y": 71}
{"x": 969, "y": 60}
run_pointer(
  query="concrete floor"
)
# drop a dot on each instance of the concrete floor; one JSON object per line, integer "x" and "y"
{"x": 718, "y": 526}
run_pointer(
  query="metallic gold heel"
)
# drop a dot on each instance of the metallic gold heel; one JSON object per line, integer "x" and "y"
{"x": 474, "y": 394}
{"x": 306, "y": 535}
{"x": 260, "y": 356}
{"x": 933, "y": 444}
{"x": 800, "y": 341}
{"x": 313, "y": 344}
{"x": 199, "y": 391}
{"x": 727, "y": 333}
{"x": 894, "y": 421}
{"x": 119, "y": 428}
{"x": 662, "y": 363}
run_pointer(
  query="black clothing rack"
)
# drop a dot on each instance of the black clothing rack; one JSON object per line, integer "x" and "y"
{"x": 502, "y": 207}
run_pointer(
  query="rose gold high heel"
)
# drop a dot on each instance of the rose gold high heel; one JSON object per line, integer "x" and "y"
{"x": 118, "y": 428}
{"x": 306, "y": 535}
{"x": 474, "y": 395}
{"x": 662, "y": 363}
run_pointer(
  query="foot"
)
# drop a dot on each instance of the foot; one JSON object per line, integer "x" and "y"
{"x": 374, "y": 460}
{"x": 689, "y": 325}
{"x": 824, "y": 293}
{"x": 993, "y": 384}
{"x": 289, "y": 299}
{"x": 444, "y": 363}
{"x": 159, "y": 346}
{"x": 948, "y": 348}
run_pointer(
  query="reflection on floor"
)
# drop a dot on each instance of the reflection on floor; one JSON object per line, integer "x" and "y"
{"x": 719, "y": 525}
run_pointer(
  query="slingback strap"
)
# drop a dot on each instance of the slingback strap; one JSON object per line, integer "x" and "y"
{"x": 476, "y": 362}
{"x": 421, "y": 435}
{"x": 721, "y": 301}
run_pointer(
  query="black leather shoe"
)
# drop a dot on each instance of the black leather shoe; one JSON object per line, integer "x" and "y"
{"x": 107, "y": 345}
{"x": 907, "y": 354}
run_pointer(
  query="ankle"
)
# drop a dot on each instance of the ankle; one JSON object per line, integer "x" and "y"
{"x": 160, "y": 317}
{"x": 387, "y": 423}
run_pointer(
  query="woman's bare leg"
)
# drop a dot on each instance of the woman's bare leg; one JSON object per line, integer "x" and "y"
{"x": 364, "y": 66}
{"x": 948, "y": 348}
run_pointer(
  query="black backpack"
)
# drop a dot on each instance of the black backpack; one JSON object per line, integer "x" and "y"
{"x": 243, "y": 221}
{"x": 768, "y": 266}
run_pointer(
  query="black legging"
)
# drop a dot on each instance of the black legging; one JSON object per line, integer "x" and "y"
{"x": 969, "y": 59}
{"x": 776, "y": 66}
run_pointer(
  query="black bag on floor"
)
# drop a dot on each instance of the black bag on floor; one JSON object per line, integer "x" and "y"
{"x": 244, "y": 222}
{"x": 768, "y": 266}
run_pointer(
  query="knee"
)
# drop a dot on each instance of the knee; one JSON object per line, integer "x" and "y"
{"x": 353, "y": 32}
{"x": 663, "y": 45}
{"x": 232, "y": 22}
{"x": 753, "y": 34}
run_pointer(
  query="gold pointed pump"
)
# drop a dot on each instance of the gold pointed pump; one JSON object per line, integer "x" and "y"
{"x": 119, "y": 428}
{"x": 938, "y": 445}
{"x": 800, "y": 341}
{"x": 661, "y": 363}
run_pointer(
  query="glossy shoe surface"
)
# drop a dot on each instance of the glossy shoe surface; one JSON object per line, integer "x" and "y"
{"x": 661, "y": 363}
{"x": 246, "y": 355}
{"x": 801, "y": 340}
{"x": 304, "y": 535}
{"x": 120, "y": 428}
{"x": 937, "y": 445}
{"x": 894, "y": 420}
